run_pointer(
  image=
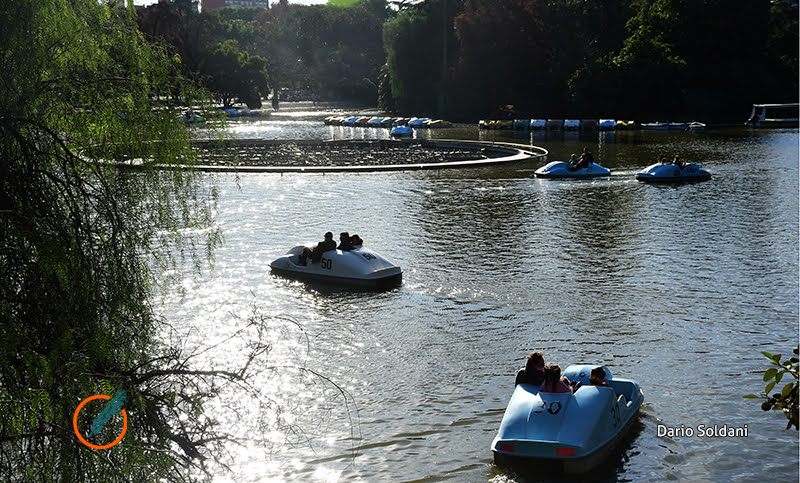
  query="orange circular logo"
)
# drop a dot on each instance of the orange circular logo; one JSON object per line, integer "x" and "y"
{"x": 82, "y": 439}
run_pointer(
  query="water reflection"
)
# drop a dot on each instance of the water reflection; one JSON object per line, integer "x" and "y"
{"x": 678, "y": 287}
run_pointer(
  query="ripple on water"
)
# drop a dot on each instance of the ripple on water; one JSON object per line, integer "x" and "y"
{"x": 677, "y": 287}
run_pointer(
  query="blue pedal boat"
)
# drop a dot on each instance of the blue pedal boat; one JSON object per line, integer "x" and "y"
{"x": 672, "y": 173}
{"x": 562, "y": 169}
{"x": 567, "y": 432}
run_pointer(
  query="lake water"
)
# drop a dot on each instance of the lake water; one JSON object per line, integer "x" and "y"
{"x": 677, "y": 287}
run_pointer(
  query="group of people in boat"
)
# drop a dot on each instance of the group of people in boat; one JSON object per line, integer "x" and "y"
{"x": 347, "y": 242}
{"x": 549, "y": 376}
{"x": 584, "y": 161}
{"x": 676, "y": 161}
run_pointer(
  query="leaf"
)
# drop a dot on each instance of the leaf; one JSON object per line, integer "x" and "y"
{"x": 769, "y": 374}
{"x": 769, "y": 387}
{"x": 779, "y": 376}
{"x": 112, "y": 407}
{"x": 787, "y": 389}
{"x": 767, "y": 354}
{"x": 751, "y": 396}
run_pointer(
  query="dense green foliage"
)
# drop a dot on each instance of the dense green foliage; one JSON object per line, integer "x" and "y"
{"x": 465, "y": 58}
{"x": 787, "y": 399}
{"x": 235, "y": 75}
{"x": 83, "y": 92}
{"x": 325, "y": 52}
{"x": 415, "y": 76}
{"x": 659, "y": 59}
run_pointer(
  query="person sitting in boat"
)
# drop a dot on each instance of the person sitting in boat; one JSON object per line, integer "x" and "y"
{"x": 584, "y": 161}
{"x": 597, "y": 376}
{"x": 325, "y": 245}
{"x": 677, "y": 162}
{"x": 573, "y": 160}
{"x": 356, "y": 241}
{"x": 344, "y": 242}
{"x": 553, "y": 382}
{"x": 533, "y": 372}
{"x": 316, "y": 254}
{"x": 663, "y": 160}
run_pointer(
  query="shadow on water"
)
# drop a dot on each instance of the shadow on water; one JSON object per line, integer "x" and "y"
{"x": 613, "y": 470}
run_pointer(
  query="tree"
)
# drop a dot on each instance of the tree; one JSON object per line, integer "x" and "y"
{"x": 325, "y": 51}
{"x": 502, "y": 56}
{"x": 644, "y": 78}
{"x": 414, "y": 45}
{"x": 86, "y": 116}
{"x": 787, "y": 399}
{"x": 235, "y": 75}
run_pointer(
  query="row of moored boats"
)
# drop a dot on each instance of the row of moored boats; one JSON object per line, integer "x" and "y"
{"x": 586, "y": 125}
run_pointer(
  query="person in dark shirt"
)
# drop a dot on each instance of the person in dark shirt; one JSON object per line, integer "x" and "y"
{"x": 596, "y": 377}
{"x": 322, "y": 247}
{"x": 533, "y": 372}
{"x": 316, "y": 254}
{"x": 344, "y": 242}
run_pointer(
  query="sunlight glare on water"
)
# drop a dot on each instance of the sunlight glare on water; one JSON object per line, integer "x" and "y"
{"x": 678, "y": 287}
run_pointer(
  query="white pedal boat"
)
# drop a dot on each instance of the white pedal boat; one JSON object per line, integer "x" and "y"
{"x": 566, "y": 432}
{"x": 359, "y": 267}
{"x": 561, "y": 169}
{"x": 672, "y": 173}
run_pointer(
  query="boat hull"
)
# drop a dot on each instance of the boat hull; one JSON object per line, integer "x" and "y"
{"x": 670, "y": 173}
{"x": 568, "y": 432}
{"x": 359, "y": 267}
{"x": 561, "y": 169}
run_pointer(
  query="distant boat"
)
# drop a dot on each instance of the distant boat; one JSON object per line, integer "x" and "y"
{"x": 522, "y": 124}
{"x": 672, "y": 173}
{"x": 572, "y": 124}
{"x": 435, "y": 123}
{"x": 625, "y": 125}
{"x": 562, "y": 169}
{"x": 774, "y": 115}
{"x": 655, "y": 126}
{"x": 403, "y": 130}
{"x": 538, "y": 123}
{"x": 607, "y": 124}
{"x": 417, "y": 121}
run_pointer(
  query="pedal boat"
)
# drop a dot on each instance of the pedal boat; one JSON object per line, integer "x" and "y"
{"x": 672, "y": 173}
{"x": 561, "y": 169}
{"x": 403, "y": 130}
{"x": 360, "y": 267}
{"x": 571, "y": 433}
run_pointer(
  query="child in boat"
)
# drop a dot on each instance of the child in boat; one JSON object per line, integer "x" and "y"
{"x": 533, "y": 372}
{"x": 597, "y": 376}
{"x": 553, "y": 381}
